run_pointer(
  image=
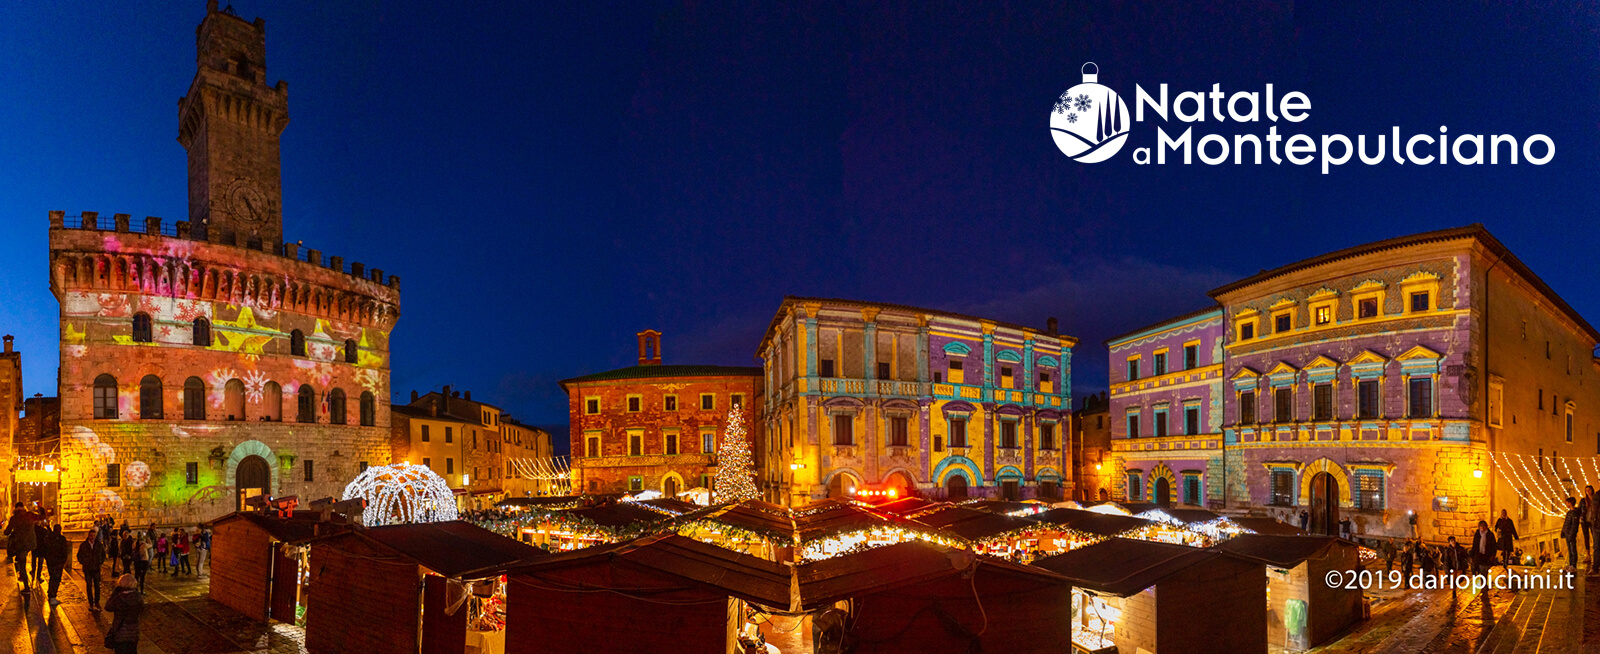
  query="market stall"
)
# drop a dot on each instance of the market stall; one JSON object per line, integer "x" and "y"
{"x": 577, "y": 528}
{"x": 258, "y": 561}
{"x": 924, "y": 597}
{"x": 1019, "y": 509}
{"x": 827, "y": 530}
{"x": 903, "y": 505}
{"x": 387, "y": 589}
{"x": 1270, "y": 526}
{"x": 1302, "y": 610}
{"x": 1206, "y": 528}
{"x": 750, "y": 527}
{"x": 661, "y": 593}
{"x": 1135, "y": 595}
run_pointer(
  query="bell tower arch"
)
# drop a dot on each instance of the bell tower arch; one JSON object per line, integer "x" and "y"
{"x": 229, "y": 122}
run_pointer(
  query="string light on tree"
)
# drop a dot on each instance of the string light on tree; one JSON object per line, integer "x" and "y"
{"x": 402, "y": 494}
{"x": 736, "y": 470}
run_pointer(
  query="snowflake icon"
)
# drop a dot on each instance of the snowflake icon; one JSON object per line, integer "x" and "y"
{"x": 1082, "y": 102}
{"x": 1064, "y": 103}
{"x": 1072, "y": 118}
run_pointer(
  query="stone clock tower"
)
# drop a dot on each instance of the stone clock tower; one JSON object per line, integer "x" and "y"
{"x": 229, "y": 122}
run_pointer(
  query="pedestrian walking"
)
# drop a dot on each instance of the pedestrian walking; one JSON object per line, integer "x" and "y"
{"x": 161, "y": 553}
{"x": 181, "y": 545}
{"x": 91, "y": 554}
{"x": 21, "y": 540}
{"x": 41, "y": 533}
{"x": 1583, "y": 518}
{"x": 126, "y": 549}
{"x": 141, "y": 558}
{"x": 1569, "y": 532}
{"x": 1388, "y": 555}
{"x": 57, "y": 551}
{"x": 1408, "y": 554}
{"x": 127, "y": 604}
{"x": 1506, "y": 536}
{"x": 1483, "y": 548}
{"x": 1594, "y": 519}
{"x": 113, "y": 546}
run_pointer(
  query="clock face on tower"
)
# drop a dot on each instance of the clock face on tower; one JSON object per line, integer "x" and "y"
{"x": 246, "y": 203}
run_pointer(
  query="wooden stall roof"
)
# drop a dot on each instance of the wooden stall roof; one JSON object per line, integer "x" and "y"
{"x": 986, "y": 525}
{"x": 739, "y": 575}
{"x": 451, "y": 548}
{"x": 1190, "y": 516}
{"x": 950, "y": 515}
{"x": 1000, "y": 506}
{"x": 674, "y": 506}
{"x": 1122, "y": 566}
{"x": 537, "y": 501}
{"x": 1089, "y": 522}
{"x": 302, "y": 526}
{"x": 894, "y": 566}
{"x": 904, "y": 505}
{"x": 1281, "y": 551}
{"x": 1262, "y": 525}
{"x": 617, "y": 515}
{"x": 750, "y": 518}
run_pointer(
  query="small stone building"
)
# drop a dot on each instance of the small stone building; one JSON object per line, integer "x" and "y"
{"x": 251, "y": 571}
{"x": 1138, "y": 595}
{"x": 1302, "y": 610}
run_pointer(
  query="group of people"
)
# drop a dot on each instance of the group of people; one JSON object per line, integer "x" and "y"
{"x": 1488, "y": 549}
{"x": 30, "y": 537}
{"x": 1583, "y": 513}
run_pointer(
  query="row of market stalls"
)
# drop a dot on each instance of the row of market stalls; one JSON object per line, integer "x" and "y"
{"x": 661, "y": 575}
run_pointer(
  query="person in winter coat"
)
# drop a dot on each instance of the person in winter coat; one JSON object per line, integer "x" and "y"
{"x": 91, "y": 555}
{"x": 56, "y": 551}
{"x": 112, "y": 544}
{"x": 126, "y": 548}
{"x": 1569, "y": 532}
{"x": 21, "y": 540}
{"x": 1483, "y": 548}
{"x": 1408, "y": 555}
{"x": 127, "y": 604}
{"x": 1594, "y": 519}
{"x": 161, "y": 553}
{"x": 141, "y": 558}
{"x": 1506, "y": 531}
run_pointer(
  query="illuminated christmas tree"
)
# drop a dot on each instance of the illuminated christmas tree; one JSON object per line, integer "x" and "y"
{"x": 736, "y": 470}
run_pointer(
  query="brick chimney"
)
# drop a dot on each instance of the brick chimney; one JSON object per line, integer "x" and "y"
{"x": 649, "y": 348}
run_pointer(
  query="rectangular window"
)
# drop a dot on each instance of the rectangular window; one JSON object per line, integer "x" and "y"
{"x": 825, "y": 368}
{"x": 899, "y": 432}
{"x": 1322, "y": 402}
{"x": 113, "y": 475}
{"x": 1247, "y": 408}
{"x": 1047, "y": 436}
{"x": 427, "y": 463}
{"x": 1160, "y": 423}
{"x": 736, "y": 400}
{"x": 361, "y": 467}
{"x": 1282, "y": 488}
{"x": 938, "y": 378}
{"x": 1367, "y": 399}
{"x": 1133, "y": 369}
{"x": 1283, "y": 405}
{"x": 1323, "y": 315}
{"x": 1421, "y": 395}
{"x": 449, "y": 434}
{"x": 1008, "y": 434}
{"x": 1133, "y": 425}
{"x": 1569, "y": 426}
{"x": 1367, "y": 308}
{"x": 708, "y": 442}
{"x": 670, "y": 442}
{"x": 1191, "y": 420}
{"x": 708, "y": 402}
{"x": 105, "y": 402}
{"x": 636, "y": 483}
{"x": 958, "y": 432}
{"x": 1247, "y": 331}
{"x": 424, "y": 433}
{"x": 635, "y": 443}
{"x": 1282, "y": 323}
{"x": 1419, "y": 301}
{"x": 1369, "y": 491}
{"x": 591, "y": 406}
{"x": 191, "y": 473}
{"x": 1005, "y": 377}
{"x": 1191, "y": 357}
{"x": 844, "y": 427}
{"x": 883, "y": 370}
{"x": 956, "y": 375}
{"x": 449, "y": 466}
{"x": 1191, "y": 489}
{"x": 1044, "y": 383}
{"x": 938, "y": 443}
{"x": 634, "y": 404}
{"x": 671, "y": 402}
{"x": 593, "y": 446}
{"x": 1159, "y": 363}
{"x": 311, "y": 470}
{"x": 1135, "y": 488}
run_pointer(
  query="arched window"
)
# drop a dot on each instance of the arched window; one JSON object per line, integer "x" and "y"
{"x": 336, "y": 413}
{"x": 105, "y": 397}
{"x": 351, "y": 350}
{"x": 233, "y": 399}
{"x": 308, "y": 403}
{"x": 194, "y": 399}
{"x": 369, "y": 409}
{"x": 202, "y": 332}
{"x": 297, "y": 343}
{"x": 272, "y": 402}
{"x": 150, "y": 398}
{"x": 142, "y": 331}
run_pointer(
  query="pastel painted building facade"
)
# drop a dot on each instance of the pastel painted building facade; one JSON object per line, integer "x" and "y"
{"x": 1166, "y": 411}
{"x": 870, "y": 397}
{"x": 1411, "y": 386}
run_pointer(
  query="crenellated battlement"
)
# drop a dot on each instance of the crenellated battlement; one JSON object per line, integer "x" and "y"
{"x": 183, "y": 229}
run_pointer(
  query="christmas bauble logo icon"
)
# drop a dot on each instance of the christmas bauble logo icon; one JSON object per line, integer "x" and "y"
{"x": 1089, "y": 122}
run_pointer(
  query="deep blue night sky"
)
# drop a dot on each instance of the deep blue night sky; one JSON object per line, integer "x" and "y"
{"x": 549, "y": 181}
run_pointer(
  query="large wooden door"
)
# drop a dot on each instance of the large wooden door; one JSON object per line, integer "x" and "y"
{"x": 1163, "y": 491}
{"x": 285, "y": 586}
{"x": 1324, "y": 505}
{"x": 252, "y": 478}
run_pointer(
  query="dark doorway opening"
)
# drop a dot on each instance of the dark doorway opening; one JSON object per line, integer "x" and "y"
{"x": 955, "y": 487}
{"x": 252, "y": 478}
{"x": 1324, "y": 505}
{"x": 1163, "y": 491}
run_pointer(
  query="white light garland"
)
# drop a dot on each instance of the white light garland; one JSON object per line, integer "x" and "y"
{"x": 1527, "y": 481}
{"x": 402, "y": 494}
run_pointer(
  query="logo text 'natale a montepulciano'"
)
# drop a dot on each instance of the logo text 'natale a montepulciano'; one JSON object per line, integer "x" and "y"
{"x": 1089, "y": 123}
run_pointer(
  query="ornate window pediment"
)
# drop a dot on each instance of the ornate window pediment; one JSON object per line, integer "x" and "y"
{"x": 1324, "y": 293}
{"x": 957, "y": 348}
{"x": 1419, "y": 352}
{"x": 1369, "y": 285}
{"x": 1245, "y": 373}
{"x": 1008, "y": 356}
{"x": 1283, "y": 303}
{"x": 1368, "y": 357}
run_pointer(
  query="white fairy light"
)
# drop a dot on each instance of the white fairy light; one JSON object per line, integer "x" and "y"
{"x": 402, "y": 494}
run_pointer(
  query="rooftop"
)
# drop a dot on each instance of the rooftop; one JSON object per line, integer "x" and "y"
{"x": 659, "y": 372}
{"x": 790, "y": 300}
